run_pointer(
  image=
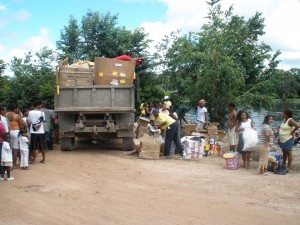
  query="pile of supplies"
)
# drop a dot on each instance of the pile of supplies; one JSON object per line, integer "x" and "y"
{"x": 193, "y": 147}
{"x": 232, "y": 160}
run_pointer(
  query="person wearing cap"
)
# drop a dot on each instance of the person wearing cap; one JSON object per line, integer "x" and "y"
{"x": 167, "y": 102}
{"x": 202, "y": 118}
{"x": 171, "y": 131}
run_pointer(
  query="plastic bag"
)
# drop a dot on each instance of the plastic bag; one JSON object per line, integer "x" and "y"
{"x": 250, "y": 139}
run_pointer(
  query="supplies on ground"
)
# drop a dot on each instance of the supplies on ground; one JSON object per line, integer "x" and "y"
{"x": 232, "y": 160}
{"x": 188, "y": 129}
{"x": 193, "y": 147}
{"x": 150, "y": 147}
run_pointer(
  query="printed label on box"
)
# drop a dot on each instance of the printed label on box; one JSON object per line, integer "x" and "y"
{"x": 114, "y": 82}
{"x": 118, "y": 64}
{"x": 100, "y": 74}
{"x": 122, "y": 81}
{"x": 115, "y": 73}
{"x": 122, "y": 74}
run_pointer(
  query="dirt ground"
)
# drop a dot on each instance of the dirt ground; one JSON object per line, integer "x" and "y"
{"x": 96, "y": 186}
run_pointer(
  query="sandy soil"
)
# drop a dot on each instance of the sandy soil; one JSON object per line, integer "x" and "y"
{"x": 96, "y": 186}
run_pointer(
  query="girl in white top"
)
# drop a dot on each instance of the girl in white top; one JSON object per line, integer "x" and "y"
{"x": 243, "y": 122}
{"x": 7, "y": 157}
{"x": 24, "y": 150}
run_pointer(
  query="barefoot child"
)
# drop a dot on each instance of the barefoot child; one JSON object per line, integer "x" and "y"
{"x": 24, "y": 142}
{"x": 7, "y": 159}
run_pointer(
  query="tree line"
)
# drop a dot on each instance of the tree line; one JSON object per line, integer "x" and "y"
{"x": 225, "y": 61}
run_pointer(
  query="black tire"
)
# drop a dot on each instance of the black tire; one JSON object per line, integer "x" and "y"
{"x": 127, "y": 144}
{"x": 67, "y": 144}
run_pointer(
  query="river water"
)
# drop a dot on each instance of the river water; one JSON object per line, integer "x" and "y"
{"x": 258, "y": 116}
{"x": 277, "y": 112}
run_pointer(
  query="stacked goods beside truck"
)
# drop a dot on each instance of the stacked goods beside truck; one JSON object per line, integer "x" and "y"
{"x": 95, "y": 102}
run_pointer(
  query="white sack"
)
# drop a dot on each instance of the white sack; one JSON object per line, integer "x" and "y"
{"x": 250, "y": 138}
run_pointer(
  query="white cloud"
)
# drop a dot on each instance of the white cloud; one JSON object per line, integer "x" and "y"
{"x": 22, "y": 15}
{"x": 281, "y": 19}
{"x": 33, "y": 44}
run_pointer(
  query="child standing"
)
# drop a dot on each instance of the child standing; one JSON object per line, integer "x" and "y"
{"x": 7, "y": 159}
{"x": 24, "y": 143}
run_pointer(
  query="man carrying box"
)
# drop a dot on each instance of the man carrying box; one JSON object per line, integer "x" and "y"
{"x": 172, "y": 131}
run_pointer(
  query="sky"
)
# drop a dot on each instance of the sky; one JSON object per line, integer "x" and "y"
{"x": 28, "y": 25}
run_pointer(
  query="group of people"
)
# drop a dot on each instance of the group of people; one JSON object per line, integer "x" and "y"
{"x": 165, "y": 118}
{"x": 240, "y": 123}
{"x": 23, "y": 135}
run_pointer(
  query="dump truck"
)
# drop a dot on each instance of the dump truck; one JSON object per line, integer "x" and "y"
{"x": 95, "y": 102}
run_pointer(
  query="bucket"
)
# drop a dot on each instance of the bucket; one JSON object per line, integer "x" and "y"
{"x": 234, "y": 163}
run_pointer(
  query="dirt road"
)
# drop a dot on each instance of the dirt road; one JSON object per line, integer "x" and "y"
{"x": 92, "y": 186}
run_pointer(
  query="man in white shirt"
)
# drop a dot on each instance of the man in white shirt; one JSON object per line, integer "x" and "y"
{"x": 202, "y": 118}
{"x": 36, "y": 118}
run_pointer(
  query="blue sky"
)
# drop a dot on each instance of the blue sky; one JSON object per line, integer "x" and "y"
{"x": 27, "y": 25}
{"x": 22, "y": 19}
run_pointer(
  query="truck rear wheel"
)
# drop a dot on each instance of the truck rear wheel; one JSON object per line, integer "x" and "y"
{"x": 127, "y": 144}
{"x": 67, "y": 143}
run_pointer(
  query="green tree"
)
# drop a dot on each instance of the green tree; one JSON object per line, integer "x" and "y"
{"x": 295, "y": 72}
{"x": 2, "y": 78}
{"x": 100, "y": 36}
{"x": 224, "y": 62}
{"x": 69, "y": 43}
{"x": 34, "y": 78}
{"x": 2, "y": 67}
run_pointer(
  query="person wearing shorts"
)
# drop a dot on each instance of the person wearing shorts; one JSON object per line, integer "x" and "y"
{"x": 286, "y": 137}
{"x": 36, "y": 117}
{"x": 15, "y": 124}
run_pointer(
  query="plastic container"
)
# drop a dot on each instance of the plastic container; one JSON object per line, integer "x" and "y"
{"x": 234, "y": 163}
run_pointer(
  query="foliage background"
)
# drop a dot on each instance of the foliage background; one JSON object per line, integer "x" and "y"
{"x": 225, "y": 61}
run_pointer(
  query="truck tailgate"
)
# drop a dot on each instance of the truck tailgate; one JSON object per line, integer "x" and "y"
{"x": 104, "y": 98}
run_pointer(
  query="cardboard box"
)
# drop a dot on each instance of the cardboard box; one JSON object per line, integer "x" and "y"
{"x": 150, "y": 147}
{"x": 144, "y": 122}
{"x": 137, "y": 144}
{"x": 191, "y": 143}
{"x": 191, "y": 127}
{"x": 113, "y": 72}
{"x": 188, "y": 129}
{"x": 76, "y": 77}
{"x": 212, "y": 131}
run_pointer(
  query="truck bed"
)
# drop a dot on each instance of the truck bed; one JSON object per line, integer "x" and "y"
{"x": 104, "y": 98}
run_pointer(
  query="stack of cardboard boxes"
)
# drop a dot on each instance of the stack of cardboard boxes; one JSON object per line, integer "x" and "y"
{"x": 76, "y": 77}
{"x": 148, "y": 145}
{"x": 103, "y": 71}
{"x": 113, "y": 72}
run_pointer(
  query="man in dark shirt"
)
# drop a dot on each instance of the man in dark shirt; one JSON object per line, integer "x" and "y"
{"x": 181, "y": 111}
